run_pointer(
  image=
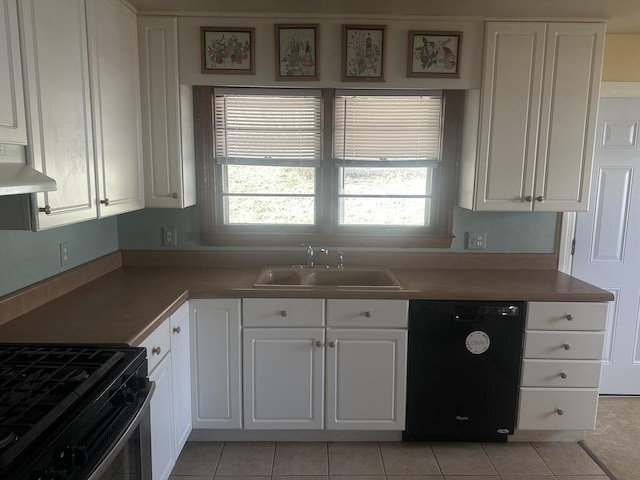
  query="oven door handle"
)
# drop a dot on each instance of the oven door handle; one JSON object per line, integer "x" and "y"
{"x": 124, "y": 438}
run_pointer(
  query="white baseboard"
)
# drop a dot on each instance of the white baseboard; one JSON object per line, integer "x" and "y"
{"x": 546, "y": 436}
{"x": 204, "y": 435}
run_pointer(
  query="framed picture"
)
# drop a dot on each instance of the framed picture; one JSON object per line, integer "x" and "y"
{"x": 228, "y": 50}
{"x": 297, "y": 52}
{"x": 434, "y": 54}
{"x": 363, "y": 53}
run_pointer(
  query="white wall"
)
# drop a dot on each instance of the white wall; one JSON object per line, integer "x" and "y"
{"x": 330, "y": 52}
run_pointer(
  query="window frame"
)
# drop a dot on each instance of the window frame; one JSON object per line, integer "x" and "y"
{"x": 326, "y": 232}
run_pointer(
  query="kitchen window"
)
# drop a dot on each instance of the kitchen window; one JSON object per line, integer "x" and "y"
{"x": 330, "y": 167}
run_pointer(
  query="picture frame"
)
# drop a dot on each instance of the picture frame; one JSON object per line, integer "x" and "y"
{"x": 297, "y": 51}
{"x": 228, "y": 50}
{"x": 363, "y": 53}
{"x": 434, "y": 54}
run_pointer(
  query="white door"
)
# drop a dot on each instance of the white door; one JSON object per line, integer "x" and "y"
{"x": 215, "y": 363}
{"x": 181, "y": 376}
{"x": 366, "y": 372}
{"x": 283, "y": 378}
{"x": 607, "y": 239}
{"x": 161, "y": 411}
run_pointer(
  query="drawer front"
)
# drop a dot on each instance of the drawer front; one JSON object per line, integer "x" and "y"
{"x": 554, "y": 373}
{"x": 566, "y": 316}
{"x": 367, "y": 313}
{"x": 158, "y": 344}
{"x": 564, "y": 345}
{"x": 282, "y": 312}
{"x": 558, "y": 408}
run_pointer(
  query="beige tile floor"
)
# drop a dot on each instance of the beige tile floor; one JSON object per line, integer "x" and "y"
{"x": 385, "y": 461}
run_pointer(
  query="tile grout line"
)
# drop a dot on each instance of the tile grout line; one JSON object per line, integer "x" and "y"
{"x": 215, "y": 472}
{"x": 436, "y": 459}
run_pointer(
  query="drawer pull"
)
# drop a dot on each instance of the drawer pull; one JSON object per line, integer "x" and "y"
{"x": 318, "y": 344}
{"x": 559, "y": 411}
{"x": 562, "y": 374}
{"x": 569, "y": 316}
{"x": 176, "y": 330}
{"x": 155, "y": 351}
{"x": 367, "y": 314}
{"x": 332, "y": 344}
{"x": 283, "y": 313}
{"x": 567, "y": 346}
{"x": 46, "y": 210}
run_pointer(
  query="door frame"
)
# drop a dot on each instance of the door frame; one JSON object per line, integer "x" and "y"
{"x": 567, "y": 230}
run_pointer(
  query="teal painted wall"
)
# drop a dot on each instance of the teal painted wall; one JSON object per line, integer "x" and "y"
{"x": 28, "y": 257}
{"x": 506, "y": 232}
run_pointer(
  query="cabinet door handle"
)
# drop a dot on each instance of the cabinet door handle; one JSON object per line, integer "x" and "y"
{"x": 155, "y": 351}
{"x": 174, "y": 195}
{"x": 559, "y": 411}
{"x": 540, "y": 198}
{"x": 105, "y": 202}
{"x": 367, "y": 314}
{"x": 529, "y": 198}
{"x": 46, "y": 209}
{"x": 283, "y": 313}
{"x": 332, "y": 344}
{"x": 567, "y": 346}
{"x": 569, "y": 316}
{"x": 176, "y": 330}
{"x": 318, "y": 344}
{"x": 563, "y": 375}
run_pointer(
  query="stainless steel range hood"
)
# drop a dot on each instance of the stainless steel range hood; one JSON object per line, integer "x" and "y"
{"x": 16, "y": 177}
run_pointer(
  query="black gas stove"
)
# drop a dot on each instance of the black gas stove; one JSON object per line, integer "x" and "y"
{"x": 62, "y": 407}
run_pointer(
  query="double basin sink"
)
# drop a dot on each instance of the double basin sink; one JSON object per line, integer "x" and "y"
{"x": 322, "y": 277}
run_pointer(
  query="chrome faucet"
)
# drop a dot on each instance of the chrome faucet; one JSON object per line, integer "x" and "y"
{"x": 312, "y": 254}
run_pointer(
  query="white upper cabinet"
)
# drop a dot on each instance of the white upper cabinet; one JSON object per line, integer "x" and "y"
{"x": 115, "y": 85}
{"x": 532, "y": 149}
{"x": 54, "y": 39}
{"x": 13, "y": 128}
{"x": 167, "y": 117}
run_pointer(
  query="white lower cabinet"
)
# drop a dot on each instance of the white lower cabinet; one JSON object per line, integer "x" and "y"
{"x": 354, "y": 379}
{"x": 561, "y": 366}
{"x": 181, "y": 375}
{"x": 162, "y": 434}
{"x": 215, "y": 363}
{"x": 168, "y": 358}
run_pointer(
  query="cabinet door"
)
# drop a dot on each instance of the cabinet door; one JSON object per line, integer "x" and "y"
{"x": 573, "y": 64}
{"x": 167, "y": 118}
{"x": 13, "y": 127}
{"x": 162, "y": 435}
{"x": 366, "y": 379}
{"x": 510, "y": 109}
{"x": 283, "y": 378}
{"x": 215, "y": 363}
{"x": 56, "y": 80}
{"x": 115, "y": 82}
{"x": 181, "y": 378}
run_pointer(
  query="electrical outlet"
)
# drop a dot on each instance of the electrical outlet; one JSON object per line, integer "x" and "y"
{"x": 170, "y": 236}
{"x": 476, "y": 241}
{"x": 64, "y": 254}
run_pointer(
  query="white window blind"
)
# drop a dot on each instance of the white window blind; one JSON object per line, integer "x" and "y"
{"x": 385, "y": 130}
{"x": 268, "y": 129}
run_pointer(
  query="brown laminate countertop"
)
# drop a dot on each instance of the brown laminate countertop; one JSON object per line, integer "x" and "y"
{"x": 125, "y": 305}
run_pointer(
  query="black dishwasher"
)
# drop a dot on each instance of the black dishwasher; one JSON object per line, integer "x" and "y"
{"x": 463, "y": 369}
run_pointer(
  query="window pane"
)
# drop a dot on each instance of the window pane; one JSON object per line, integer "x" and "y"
{"x": 384, "y": 211}
{"x": 283, "y": 180}
{"x": 270, "y": 210}
{"x": 386, "y": 181}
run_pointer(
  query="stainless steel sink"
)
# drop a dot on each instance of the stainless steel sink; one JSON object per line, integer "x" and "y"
{"x": 319, "y": 277}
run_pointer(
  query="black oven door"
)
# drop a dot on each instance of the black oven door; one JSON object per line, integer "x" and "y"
{"x": 130, "y": 456}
